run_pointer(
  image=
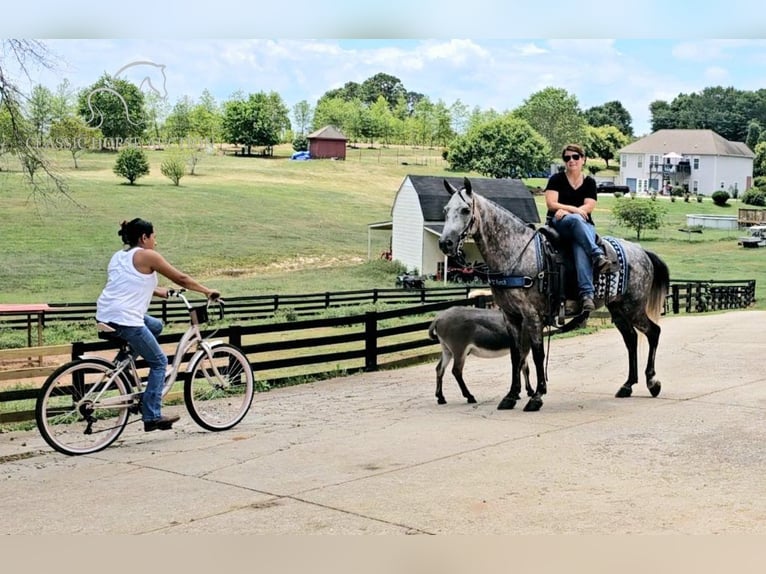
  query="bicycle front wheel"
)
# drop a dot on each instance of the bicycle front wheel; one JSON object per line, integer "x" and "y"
{"x": 219, "y": 390}
{"x": 81, "y": 408}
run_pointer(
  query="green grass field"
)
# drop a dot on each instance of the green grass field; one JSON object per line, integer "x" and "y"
{"x": 271, "y": 225}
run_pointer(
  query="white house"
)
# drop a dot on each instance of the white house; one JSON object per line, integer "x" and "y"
{"x": 699, "y": 160}
{"x": 418, "y": 217}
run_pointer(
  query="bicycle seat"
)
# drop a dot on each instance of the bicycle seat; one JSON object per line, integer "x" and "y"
{"x": 106, "y": 331}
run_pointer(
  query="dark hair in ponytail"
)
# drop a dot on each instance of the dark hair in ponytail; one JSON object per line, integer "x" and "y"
{"x": 131, "y": 231}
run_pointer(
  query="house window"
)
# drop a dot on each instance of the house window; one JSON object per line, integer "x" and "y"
{"x": 623, "y": 161}
{"x": 695, "y": 186}
{"x": 640, "y": 161}
{"x": 696, "y": 163}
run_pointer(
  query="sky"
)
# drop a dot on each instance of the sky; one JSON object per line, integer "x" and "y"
{"x": 485, "y": 54}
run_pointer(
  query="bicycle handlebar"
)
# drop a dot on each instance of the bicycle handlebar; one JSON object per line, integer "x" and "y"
{"x": 179, "y": 293}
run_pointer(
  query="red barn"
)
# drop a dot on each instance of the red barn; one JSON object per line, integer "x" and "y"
{"x": 327, "y": 142}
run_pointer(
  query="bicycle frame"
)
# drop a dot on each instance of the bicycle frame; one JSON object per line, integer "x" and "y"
{"x": 192, "y": 338}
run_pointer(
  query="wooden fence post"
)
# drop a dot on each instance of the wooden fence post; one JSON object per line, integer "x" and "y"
{"x": 371, "y": 341}
{"x": 77, "y": 349}
{"x": 235, "y": 335}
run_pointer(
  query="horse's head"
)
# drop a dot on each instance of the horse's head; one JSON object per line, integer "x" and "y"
{"x": 458, "y": 217}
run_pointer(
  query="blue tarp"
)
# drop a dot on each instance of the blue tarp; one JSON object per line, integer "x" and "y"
{"x": 301, "y": 155}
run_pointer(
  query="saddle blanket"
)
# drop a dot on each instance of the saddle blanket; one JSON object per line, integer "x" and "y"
{"x": 614, "y": 284}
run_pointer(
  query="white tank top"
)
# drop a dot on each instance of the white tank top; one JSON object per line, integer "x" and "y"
{"x": 128, "y": 292}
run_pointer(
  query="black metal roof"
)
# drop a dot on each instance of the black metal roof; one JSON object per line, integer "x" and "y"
{"x": 511, "y": 194}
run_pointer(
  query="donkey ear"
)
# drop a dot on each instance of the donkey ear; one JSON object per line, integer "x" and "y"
{"x": 467, "y": 185}
{"x": 449, "y": 187}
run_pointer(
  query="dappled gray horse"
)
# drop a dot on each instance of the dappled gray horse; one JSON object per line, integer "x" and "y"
{"x": 464, "y": 331}
{"x": 518, "y": 275}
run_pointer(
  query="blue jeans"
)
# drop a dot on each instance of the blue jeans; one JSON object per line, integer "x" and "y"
{"x": 581, "y": 235}
{"x": 143, "y": 341}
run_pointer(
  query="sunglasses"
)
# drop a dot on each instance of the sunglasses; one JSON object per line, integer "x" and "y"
{"x": 574, "y": 156}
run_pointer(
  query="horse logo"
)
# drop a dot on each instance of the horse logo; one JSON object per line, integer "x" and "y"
{"x": 150, "y": 68}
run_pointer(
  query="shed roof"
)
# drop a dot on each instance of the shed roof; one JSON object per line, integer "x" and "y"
{"x": 511, "y": 194}
{"x": 688, "y": 142}
{"x": 327, "y": 133}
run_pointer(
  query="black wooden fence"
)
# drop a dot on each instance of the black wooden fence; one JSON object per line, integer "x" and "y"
{"x": 365, "y": 342}
{"x": 689, "y": 296}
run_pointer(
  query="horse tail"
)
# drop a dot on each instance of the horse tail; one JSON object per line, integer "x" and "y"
{"x": 432, "y": 331}
{"x": 660, "y": 287}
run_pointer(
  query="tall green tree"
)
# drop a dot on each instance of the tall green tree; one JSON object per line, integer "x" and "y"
{"x": 503, "y": 147}
{"x": 605, "y": 141}
{"x": 206, "y": 118}
{"x": 610, "y": 114}
{"x": 386, "y": 85}
{"x": 40, "y": 110}
{"x": 178, "y": 124}
{"x": 259, "y": 120}
{"x": 302, "y": 114}
{"x": 753, "y": 134}
{"x": 554, "y": 114}
{"x": 115, "y": 106}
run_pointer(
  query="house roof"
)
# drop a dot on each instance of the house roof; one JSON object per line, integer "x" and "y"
{"x": 511, "y": 194}
{"x": 327, "y": 133}
{"x": 688, "y": 142}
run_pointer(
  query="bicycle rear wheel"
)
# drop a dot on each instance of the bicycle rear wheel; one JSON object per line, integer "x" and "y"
{"x": 219, "y": 390}
{"x": 70, "y": 413}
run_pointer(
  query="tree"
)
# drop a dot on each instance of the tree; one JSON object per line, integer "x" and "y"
{"x": 386, "y": 85}
{"x": 604, "y": 142}
{"x": 131, "y": 164}
{"x": 173, "y": 168}
{"x": 114, "y": 106}
{"x": 334, "y": 112}
{"x": 302, "y": 113}
{"x": 40, "y": 110}
{"x": 505, "y": 147}
{"x": 639, "y": 214}
{"x": 555, "y": 115}
{"x": 71, "y": 133}
{"x": 753, "y": 134}
{"x": 759, "y": 161}
{"x": 178, "y": 124}
{"x": 206, "y": 118}
{"x": 459, "y": 114}
{"x": 15, "y": 130}
{"x": 259, "y": 120}
{"x": 610, "y": 114}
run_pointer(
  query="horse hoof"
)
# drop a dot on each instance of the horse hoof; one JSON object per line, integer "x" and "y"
{"x": 506, "y": 404}
{"x": 655, "y": 388}
{"x": 534, "y": 405}
{"x": 471, "y": 400}
{"x": 624, "y": 391}
{"x": 441, "y": 401}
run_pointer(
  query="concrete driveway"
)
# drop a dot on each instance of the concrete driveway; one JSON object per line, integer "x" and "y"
{"x": 375, "y": 454}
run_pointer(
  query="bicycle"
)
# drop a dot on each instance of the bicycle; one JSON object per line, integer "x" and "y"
{"x": 85, "y": 404}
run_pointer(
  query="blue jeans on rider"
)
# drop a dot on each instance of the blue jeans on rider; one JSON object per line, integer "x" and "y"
{"x": 581, "y": 235}
{"x": 143, "y": 341}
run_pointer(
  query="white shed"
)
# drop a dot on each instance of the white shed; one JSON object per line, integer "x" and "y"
{"x": 418, "y": 218}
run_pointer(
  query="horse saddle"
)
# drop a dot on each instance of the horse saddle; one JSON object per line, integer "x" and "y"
{"x": 561, "y": 285}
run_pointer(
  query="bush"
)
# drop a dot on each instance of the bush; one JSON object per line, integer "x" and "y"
{"x": 677, "y": 191}
{"x": 720, "y": 197}
{"x": 174, "y": 169}
{"x": 131, "y": 164}
{"x": 754, "y": 196}
{"x": 639, "y": 214}
{"x": 301, "y": 143}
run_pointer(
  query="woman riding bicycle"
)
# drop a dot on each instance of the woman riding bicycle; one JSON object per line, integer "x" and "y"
{"x": 124, "y": 302}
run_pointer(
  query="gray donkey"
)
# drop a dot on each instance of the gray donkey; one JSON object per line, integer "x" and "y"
{"x": 464, "y": 331}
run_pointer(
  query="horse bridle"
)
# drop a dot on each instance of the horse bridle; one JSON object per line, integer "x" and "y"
{"x": 463, "y": 234}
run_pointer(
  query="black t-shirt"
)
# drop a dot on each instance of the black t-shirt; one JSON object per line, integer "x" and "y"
{"x": 570, "y": 196}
